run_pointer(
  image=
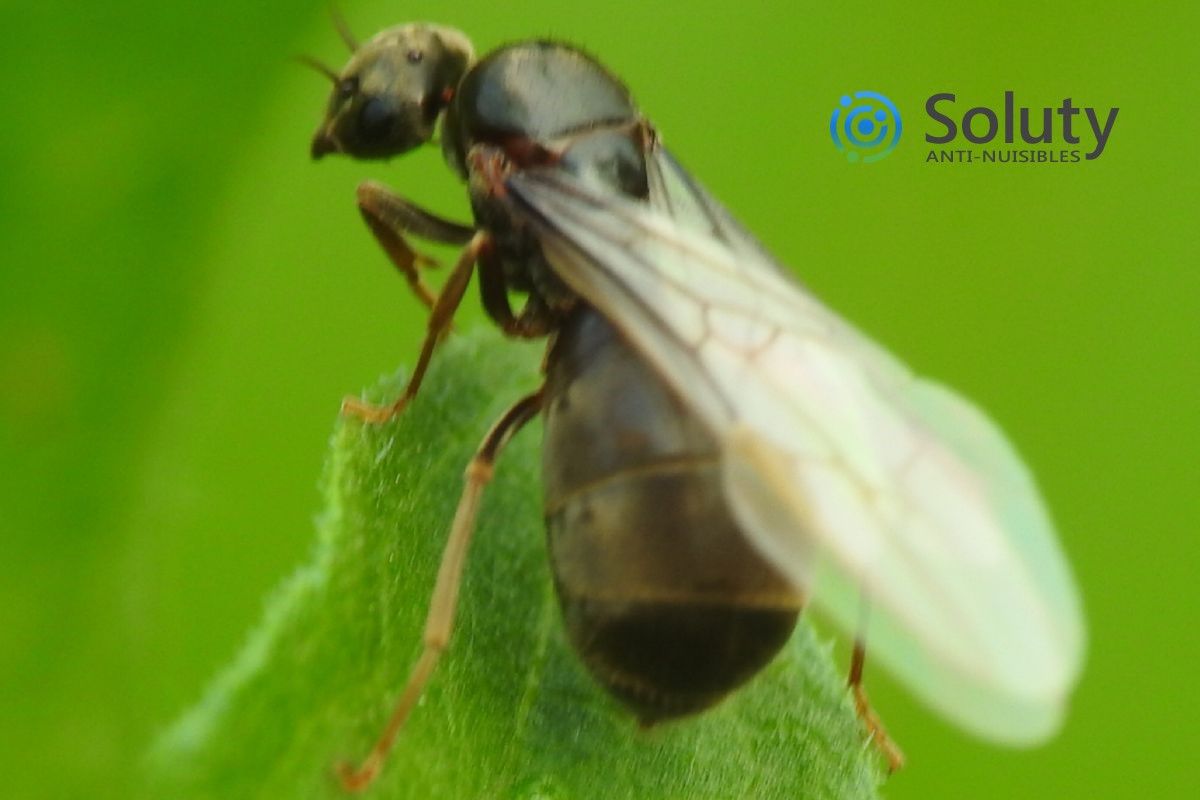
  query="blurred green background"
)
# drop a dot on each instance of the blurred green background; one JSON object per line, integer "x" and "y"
{"x": 184, "y": 298}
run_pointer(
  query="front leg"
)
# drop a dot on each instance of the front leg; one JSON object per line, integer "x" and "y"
{"x": 390, "y": 217}
{"x": 439, "y": 322}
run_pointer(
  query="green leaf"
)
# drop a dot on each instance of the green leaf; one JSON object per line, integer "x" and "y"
{"x": 510, "y": 713}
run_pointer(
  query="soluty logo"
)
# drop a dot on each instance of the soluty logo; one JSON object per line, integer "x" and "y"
{"x": 865, "y": 128}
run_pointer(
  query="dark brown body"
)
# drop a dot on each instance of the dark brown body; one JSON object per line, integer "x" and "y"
{"x": 665, "y": 600}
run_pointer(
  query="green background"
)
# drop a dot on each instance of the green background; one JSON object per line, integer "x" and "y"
{"x": 184, "y": 298}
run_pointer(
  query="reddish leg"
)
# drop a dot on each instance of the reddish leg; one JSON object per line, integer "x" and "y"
{"x": 889, "y": 749}
{"x": 439, "y": 321}
{"x": 439, "y": 624}
{"x": 390, "y": 217}
{"x": 533, "y": 322}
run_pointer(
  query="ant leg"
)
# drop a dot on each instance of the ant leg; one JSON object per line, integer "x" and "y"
{"x": 890, "y": 750}
{"x": 439, "y": 321}
{"x": 390, "y": 217}
{"x": 533, "y": 322}
{"x": 439, "y": 623}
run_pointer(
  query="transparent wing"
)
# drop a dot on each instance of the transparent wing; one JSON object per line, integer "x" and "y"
{"x": 861, "y": 482}
{"x": 675, "y": 193}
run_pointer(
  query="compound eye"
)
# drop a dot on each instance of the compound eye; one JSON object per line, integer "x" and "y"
{"x": 375, "y": 120}
{"x": 347, "y": 87}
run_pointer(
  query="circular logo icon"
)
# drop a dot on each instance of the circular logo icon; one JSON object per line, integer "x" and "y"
{"x": 866, "y": 127}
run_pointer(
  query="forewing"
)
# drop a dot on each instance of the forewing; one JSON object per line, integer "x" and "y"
{"x": 869, "y": 487}
{"x": 675, "y": 193}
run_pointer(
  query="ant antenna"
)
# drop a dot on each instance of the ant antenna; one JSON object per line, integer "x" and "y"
{"x": 309, "y": 61}
{"x": 339, "y": 22}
